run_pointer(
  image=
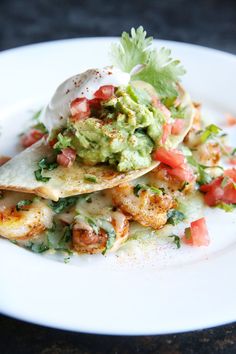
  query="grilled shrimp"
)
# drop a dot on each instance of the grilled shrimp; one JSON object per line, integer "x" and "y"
{"x": 149, "y": 209}
{"x": 26, "y": 223}
{"x": 86, "y": 240}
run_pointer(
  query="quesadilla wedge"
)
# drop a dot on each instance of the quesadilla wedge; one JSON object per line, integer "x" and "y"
{"x": 102, "y": 127}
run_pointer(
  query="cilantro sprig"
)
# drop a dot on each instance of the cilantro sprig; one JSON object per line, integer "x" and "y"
{"x": 143, "y": 187}
{"x": 44, "y": 164}
{"x": 157, "y": 67}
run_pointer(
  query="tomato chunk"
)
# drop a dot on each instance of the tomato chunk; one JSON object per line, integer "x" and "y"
{"x": 66, "y": 157}
{"x": 80, "y": 108}
{"x": 183, "y": 173}
{"x": 177, "y": 126}
{"x": 231, "y": 120}
{"x": 172, "y": 158}
{"x": 198, "y": 234}
{"x": 31, "y": 137}
{"x": 166, "y": 132}
{"x": 231, "y": 173}
{"x": 105, "y": 92}
{"x": 221, "y": 189}
{"x": 95, "y": 103}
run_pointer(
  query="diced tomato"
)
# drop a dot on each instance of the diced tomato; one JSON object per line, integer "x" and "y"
{"x": 212, "y": 185}
{"x": 177, "y": 126}
{"x": 4, "y": 159}
{"x": 183, "y": 173}
{"x": 231, "y": 120}
{"x": 159, "y": 105}
{"x": 172, "y": 158}
{"x": 105, "y": 92}
{"x": 80, "y": 109}
{"x": 232, "y": 160}
{"x": 66, "y": 157}
{"x": 52, "y": 142}
{"x": 231, "y": 173}
{"x": 166, "y": 132}
{"x": 217, "y": 191}
{"x": 31, "y": 137}
{"x": 198, "y": 235}
{"x": 95, "y": 103}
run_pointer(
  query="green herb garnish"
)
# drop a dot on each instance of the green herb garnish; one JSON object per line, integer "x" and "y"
{"x": 22, "y": 203}
{"x": 226, "y": 207}
{"x": 140, "y": 187}
{"x": 40, "y": 177}
{"x": 174, "y": 216}
{"x": 211, "y": 131}
{"x": 90, "y": 178}
{"x": 44, "y": 164}
{"x": 62, "y": 204}
{"x": 158, "y": 68}
{"x": 62, "y": 142}
{"x": 176, "y": 240}
{"x": 37, "y": 247}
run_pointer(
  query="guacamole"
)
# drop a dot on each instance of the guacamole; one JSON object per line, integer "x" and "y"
{"x": 121, "y": 131}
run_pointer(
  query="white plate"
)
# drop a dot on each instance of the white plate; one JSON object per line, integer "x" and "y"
{"x": 163, "y": 290}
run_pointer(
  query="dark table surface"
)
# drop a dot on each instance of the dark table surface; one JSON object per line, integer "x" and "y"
{"x": 210, "y": 23}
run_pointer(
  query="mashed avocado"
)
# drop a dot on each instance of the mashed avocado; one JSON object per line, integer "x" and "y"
{"x": 123, "y": 132}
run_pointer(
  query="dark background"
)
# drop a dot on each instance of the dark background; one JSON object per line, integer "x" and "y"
{"x": 210, "y": 23}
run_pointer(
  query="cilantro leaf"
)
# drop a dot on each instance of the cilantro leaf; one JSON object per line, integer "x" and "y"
{"x": 90, "y": 178}
{"x": 159, "y": 69}
{"x": 228, "y": 208}
{"x": 39, "y": 177}
{"x": 139, "y": 187}
{"x": 211, "y": 131}
{"x": 174, "y": 216}
{"x": 62, "y": 142}
{"x": 63, "y": 203}
{"x": 176, "y": 240}
{"x": 44, "y": 164}
{"x": 22, "y": 203}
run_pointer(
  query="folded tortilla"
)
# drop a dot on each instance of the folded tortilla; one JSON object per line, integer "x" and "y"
{"x": 18, "y": 173}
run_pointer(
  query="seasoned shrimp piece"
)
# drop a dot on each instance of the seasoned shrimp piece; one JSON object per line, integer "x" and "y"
{"x": 26, "y": 223}
{"x": 160, "y": 178}
{"x": 86, "y": 240}
{"x": 149, "y": 209}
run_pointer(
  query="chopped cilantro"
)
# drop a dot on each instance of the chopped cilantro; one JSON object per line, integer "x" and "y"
{"x": 233, "y": 152}
{"x": 40, "y": 177}
{"x": 63, "y": 203}
{"x": 36, "y": 115}
{"x": 22, "y": 203}
{"x": 59, "y": 237}
{"x": 90, "y": 178}
{"x": 176, "y": 240}
{"x": 211, "y": 131}
{"x": 37, "y": 247}
{"x": 62, "y": 142}
{"x": 44, "y": 164}
{"x": 174, "y": 216}
{"x": 41, "y": 127}
{"x": 227, "y": 207}
{"x": 159, "y": 69}
{"x": 139, "y": 187}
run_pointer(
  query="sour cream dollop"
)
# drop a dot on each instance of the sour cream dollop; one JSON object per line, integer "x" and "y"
{"x": 86, "y": 84}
